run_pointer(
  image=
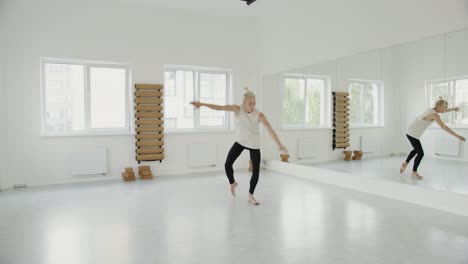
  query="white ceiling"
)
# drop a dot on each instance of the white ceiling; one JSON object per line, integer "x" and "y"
{"x": 236, "y": 8}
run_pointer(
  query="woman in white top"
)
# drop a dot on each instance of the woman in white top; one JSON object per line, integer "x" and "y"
{"x": 417, "y": 128}
{"x": 248, "y": 119}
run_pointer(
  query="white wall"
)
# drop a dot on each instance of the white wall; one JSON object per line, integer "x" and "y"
{"x": 303, "y": 32}
{"x": 367, "y": 66}
{"x": 3, "y": 114}
{"x": 145, "y": 37}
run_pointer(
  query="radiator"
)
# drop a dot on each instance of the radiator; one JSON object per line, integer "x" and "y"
{"x": 202, "y": 154}
{"x": 89, "y": 161}
{"x": 369, "y": 144}
{"x": 306, "y": 148}
{"x": 445, "y": 145}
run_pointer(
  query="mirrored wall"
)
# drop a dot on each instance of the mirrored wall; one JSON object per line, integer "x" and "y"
{"x": 388, "y": 88}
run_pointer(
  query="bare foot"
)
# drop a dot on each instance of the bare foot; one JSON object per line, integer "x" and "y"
{"x": 233, "y": 188}
{"x": 252, "y": 200}
{"x": 417, "y": 176}
{"x": 403, "y": 167}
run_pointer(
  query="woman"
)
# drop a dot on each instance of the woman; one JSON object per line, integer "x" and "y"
{"x": 417, "y": 128}
{"x": 248, "y": 137}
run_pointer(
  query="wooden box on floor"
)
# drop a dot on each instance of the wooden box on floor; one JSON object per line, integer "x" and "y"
{"x": 128, "y": 175}
{"x": 145, "y": 173}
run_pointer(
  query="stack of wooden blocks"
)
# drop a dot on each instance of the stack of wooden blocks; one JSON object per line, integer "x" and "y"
{"x": 348, "y": 155}
{"x": 129, "y": 174}
{"x": 340, "y": 120}
{"x": 145, "y": 173}
{"x": 357, "y": 155}
{"x": 149, "y": 122}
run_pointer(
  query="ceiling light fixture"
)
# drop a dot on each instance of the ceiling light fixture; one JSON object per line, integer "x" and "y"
{"x": 248, "y": 2}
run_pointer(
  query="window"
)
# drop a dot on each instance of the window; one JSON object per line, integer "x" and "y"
{"x": 366, "y": 101}
{"x": 82, "y": 97}
{"x": 186, "y": 84}
{"x": 455, "y": 91}
{"x": 305, "y": 102}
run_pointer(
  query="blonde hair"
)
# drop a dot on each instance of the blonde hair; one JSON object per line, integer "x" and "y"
{"x": 441, "y": 102}
{"x": 249, "y": 93}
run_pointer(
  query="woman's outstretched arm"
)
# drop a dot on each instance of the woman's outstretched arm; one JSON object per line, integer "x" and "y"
{"x": 446, "y": 128}
{"x": 272, "y": 133}
{"x": 453, "y": 109}
{"x": 233, "y": 108}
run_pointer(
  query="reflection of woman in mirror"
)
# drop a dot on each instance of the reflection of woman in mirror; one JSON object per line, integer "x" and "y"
{"x": 417, "y": 128}
{"x": 248, "y": 119}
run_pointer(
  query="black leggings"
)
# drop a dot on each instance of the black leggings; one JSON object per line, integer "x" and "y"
{"x": 417, "y": 150}
{"x": 233, "y": 154}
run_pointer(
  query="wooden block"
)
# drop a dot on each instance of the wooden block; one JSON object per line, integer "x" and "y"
{"x": 148, "y": 108}
{"x": 342, "y": 145}
{"x": 356, "y": 158}
{"x": 341, "y": 119}
{"x": 147, "y": 115}
{"x": 284, "y": 157}
{"x": 340, "y": 114}
{"x": 342, "y": 109}
{"x": 129, "y": 179}
{"x": 149, "y": 157}
{"x": 149, "y": 122}
{"x": 342, "y": 99}
{"x": 149, "y": 136}
{"x": 150, "y": 143}
{"x": 342, "y": 125}
{"x": 342, "y": 140}
{"x": 148, "y": 177}
{"x": 341, "y": 93}
{"x": 128, "y": 174}
{"x": 341, "y": 104}
{"x": 144, "y": 168}
{"x": 341, "y": 130}
{"x": 148, "y": 100}
{"x": 342, "y": 135}
{"x": 150, "y": 150}
{"x": 144, "y": 86}
{"x": 129, "y": 169}
{"x": 149, "y": 129}
{"x": 148, "y": 94}
{"x": 145, "y": 173}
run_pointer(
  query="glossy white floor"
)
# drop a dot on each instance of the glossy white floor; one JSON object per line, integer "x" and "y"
{"x": 193, "y": 219}
{"x": 438, "y": 174}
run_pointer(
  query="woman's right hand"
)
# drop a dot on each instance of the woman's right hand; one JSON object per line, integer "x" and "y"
{"x": 461, "y": 138}
{"x": 196, "y": 104}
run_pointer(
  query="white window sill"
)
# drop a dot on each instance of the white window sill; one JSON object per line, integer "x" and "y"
{"x": 366, "y": 126}
{"x": 198, "y": 131}
{"x": 89, "y": 134}
{"x": 452, "y": 127}
{"x": 304, "y": 128}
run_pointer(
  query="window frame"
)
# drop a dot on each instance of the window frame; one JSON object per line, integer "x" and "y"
{"x": 197, "y": 70}
{"x": 88, "y": 131}
{"x": 326, "y": 115}
{"x": 380, "y": 100}
{"x": 452, "y": 89}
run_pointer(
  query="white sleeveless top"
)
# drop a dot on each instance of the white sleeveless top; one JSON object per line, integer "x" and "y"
{"x": 418, "y": 126}
{"x": 248, "y": 128}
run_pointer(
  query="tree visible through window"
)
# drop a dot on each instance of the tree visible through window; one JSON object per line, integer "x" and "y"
{"x": 195, "y": 84}
{"x": 365, "y": 102}
{"x": 304, "y": 102}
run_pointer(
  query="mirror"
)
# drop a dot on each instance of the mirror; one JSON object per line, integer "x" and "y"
{"x": 389, "y": 88}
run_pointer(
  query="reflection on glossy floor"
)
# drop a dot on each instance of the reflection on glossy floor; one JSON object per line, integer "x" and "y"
{"x": 193, "y": 219}
{"x": 438, "y": 174}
